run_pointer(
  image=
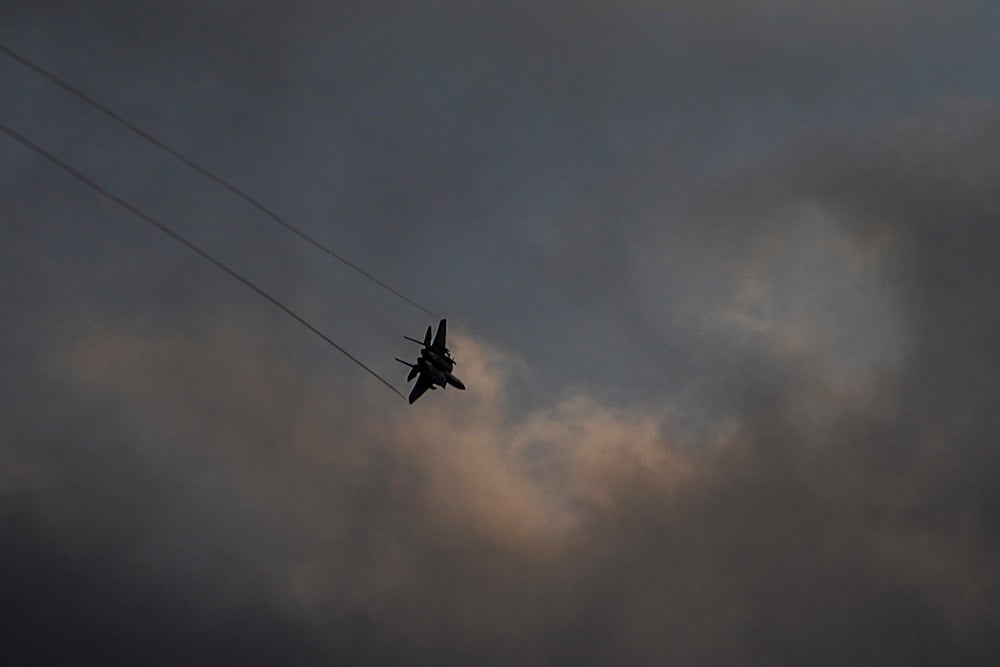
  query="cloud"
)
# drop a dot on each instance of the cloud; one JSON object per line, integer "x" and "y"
{"x": 462, "y": 527}
{"x": 827, "y": 505}
{"x": 731, "y": 358}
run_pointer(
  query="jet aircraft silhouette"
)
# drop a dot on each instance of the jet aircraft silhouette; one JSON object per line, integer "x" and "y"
{"x": 434, "y": 365}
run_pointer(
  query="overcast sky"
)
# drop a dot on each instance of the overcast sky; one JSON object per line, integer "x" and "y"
{"x": 722, "y": 280}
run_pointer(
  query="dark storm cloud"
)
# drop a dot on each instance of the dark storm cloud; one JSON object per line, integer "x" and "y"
{"x": 578, "y": 533}
{"x": 934, "y": 187}
{"x": 743, "y": 252}
{"x": 400, "y": 134}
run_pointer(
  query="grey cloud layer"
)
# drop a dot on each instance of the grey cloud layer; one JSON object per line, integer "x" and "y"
{"x": 724, "y": 287}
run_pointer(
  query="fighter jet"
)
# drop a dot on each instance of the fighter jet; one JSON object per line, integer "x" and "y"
{"x": 436, "y": 352}
{"x": 434, "y": 365}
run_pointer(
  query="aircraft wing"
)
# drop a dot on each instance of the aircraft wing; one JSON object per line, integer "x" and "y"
{"x": 422, "y": 385}
{"x": 440, "y": 335}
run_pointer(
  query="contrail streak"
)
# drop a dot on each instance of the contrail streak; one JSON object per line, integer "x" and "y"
{"x": 189, "y": 245}
{"x": 72, "y": 90}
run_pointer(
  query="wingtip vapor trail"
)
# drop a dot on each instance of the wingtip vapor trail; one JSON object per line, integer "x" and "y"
{"x": 135, "y": 129}
{"x": 190, "y": 246}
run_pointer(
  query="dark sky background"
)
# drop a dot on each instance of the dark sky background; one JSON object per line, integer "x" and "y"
{"x": 722, "y": 279}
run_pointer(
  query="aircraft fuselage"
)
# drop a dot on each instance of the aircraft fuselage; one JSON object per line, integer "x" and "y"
{"x": 434, "y": 365}
{"x": 438, "y": 360}
{"x": 438, "y": 375}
